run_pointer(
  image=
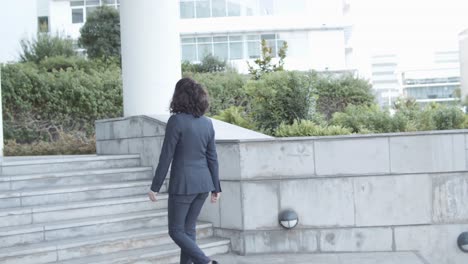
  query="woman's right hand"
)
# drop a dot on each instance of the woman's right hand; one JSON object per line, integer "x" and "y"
{"x": 152, "y": 196}
{"x": 215, "y": 197}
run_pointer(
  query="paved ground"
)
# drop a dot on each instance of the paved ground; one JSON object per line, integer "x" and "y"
{"x": 345, "y": 258}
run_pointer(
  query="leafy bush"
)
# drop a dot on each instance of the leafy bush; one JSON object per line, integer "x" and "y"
{"x": 280, "y": 97}
{"x": 369, "y": 119}
{"x": 100, "y": 35}
{"x": 66, "y": 144}
{"x": 335, "y": 93}
{"x": 264, "y": 63}
{"x": 309, "y": 128}
{"x": 209, "y": 63}
{"x": 37, "y": 102}
{"x": 237, "y": 116}
{"x": 226, "y": 89}
{"x": 45, "y": 46}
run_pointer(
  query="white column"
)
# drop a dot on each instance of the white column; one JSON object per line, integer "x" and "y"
{"x": 150, "y": 54}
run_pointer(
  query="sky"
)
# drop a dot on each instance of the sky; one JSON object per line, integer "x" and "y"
{"x": 413, "y": 29}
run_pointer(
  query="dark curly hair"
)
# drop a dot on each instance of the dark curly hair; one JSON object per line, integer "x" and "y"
{"x": 190, "y": 98}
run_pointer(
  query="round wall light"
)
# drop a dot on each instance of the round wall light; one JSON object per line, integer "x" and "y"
{"x": 288, "y": 219}
{"x": 462, "y": 242}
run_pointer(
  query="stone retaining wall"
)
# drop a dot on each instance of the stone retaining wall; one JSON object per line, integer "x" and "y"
{"x": 389, "y": 192}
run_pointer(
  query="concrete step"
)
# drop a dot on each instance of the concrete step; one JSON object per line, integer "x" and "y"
{"x": 43, "y": 180}
{"x": 35, "y": 233}
{"x": 75, "y": 193}
{"x": 325, "y": 258}
{"x": 31, "y": 165}
{"x": 93, "y": 245}
{"x": 163, "y": 254}
{"x": 60, "y": 212}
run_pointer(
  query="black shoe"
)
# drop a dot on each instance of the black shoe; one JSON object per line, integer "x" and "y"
{"x": 214, "y": 262}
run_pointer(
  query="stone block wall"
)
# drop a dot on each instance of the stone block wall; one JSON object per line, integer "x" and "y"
{"x": 390, "y": 192}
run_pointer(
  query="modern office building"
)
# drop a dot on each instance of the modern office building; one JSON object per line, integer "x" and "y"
{"x": 318, "y": 32}
{"x": 431, "y": 84}
{"x": 464, "y": 63}
{"x": 385, "y": 79}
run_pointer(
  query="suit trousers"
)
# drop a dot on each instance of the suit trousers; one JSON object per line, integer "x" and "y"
{"x": 182, "y": 216}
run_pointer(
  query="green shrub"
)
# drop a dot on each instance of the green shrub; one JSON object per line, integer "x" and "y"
{"x": 236, "y": 116}
{"x": 45, "y": 46}
{"x": 209, "y": 63}
{"x": 36, "y": 101}
{"x": 369, "y": 119}
{"x": 335, "y": 93}
{"x": 304, "y": 128}
{"x": 280, "y": 97}
{"x": 440, "y": 117}
{"x": 226, "y": 89}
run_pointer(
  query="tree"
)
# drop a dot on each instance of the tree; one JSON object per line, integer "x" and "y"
{"x": 335, "y": 93}
{"x": 45, "y": 46}
{"x": 264, "y": 63}
{"x": 100, "y": 35}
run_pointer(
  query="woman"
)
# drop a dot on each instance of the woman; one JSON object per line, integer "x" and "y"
{"x": 189, "y": 144}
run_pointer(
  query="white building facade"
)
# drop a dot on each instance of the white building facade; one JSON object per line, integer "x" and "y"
{"x": 385, "y": 79}
{"x": 464, "y": 63}
{"x": 317, "y": 31}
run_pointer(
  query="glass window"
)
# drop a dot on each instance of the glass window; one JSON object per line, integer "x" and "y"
{"x": 77, "y": 15}
{"x": 220, "y": 39}
{"x": 108, "y": 2}
{"x": 221, "y": 51}
{"x": 251, "y": 7}
{"x": 234, "y": 8}
{"x": 204, "y": 40}
{"x": 203, "y": 50}
{"x": 266, "y": 7}
{"x": 202, "y": 8}
{"x": 218, "y": 8}
{"x": 77, "y": 3}
{"x": 253, "y": 37}
{"x": 189, "y": 52}
{"x": 253, "y": 49}
{"x": 236, "y": 50}
{"x": 187, "y": 40}
{"x": 92, "y": 2}
{"x": 235, "y": 38}
{"x": 187, "y": 9}
{"x": 43, "y": 24}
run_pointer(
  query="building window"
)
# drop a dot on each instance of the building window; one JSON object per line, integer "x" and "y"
{"x": 77, "y": 15}
{"x": 220, "y": 48}
{"x": 187, "y": 9}
{"x": 236, "y": 48}
{"x": 189, "y": 49}
{"x": 43, "y": 24}
{"x": 218, "y": 8}
{"x": 253, "y": 46}
{"x": 81, "y": 9}
{"x": 234, "y": 7}
{"x": 202, "y": 8}
{"x": 231, "y": 47}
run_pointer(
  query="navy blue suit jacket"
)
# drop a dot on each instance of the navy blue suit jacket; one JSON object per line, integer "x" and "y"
{"x": 189, "y": 143}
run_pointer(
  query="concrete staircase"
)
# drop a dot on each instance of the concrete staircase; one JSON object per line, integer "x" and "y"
{"x": 86, "y": 209}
